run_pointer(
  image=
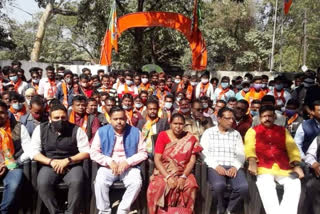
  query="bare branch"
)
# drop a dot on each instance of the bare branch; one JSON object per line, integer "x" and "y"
{"x": 64, "y": 12}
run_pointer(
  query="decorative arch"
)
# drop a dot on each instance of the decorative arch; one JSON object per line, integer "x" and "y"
{"x": 171, "y": 20}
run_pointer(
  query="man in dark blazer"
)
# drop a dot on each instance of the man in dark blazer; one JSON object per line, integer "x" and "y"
{"x": 152, "y": 124}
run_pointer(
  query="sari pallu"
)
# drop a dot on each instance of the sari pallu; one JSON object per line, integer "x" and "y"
{"x": 175, "y": 158}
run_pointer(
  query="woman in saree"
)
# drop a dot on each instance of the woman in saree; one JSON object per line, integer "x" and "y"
{"x": 172, "y": 185}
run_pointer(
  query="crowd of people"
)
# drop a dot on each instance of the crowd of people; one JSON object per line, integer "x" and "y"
{"x": 251, "y": 124}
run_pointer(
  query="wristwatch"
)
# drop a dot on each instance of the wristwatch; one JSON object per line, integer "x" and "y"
{"x": 70, "y": 160}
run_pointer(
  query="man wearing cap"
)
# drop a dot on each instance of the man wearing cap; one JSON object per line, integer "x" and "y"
{"x": 204, "y": 88}
{"x": 65, "y": 90}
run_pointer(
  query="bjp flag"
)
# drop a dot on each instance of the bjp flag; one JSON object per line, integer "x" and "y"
{"x": 287, "y": 5}
{"x": 113, "y": 26}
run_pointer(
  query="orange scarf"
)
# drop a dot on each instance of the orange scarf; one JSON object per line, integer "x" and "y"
{"x": 143, "y": 87}
{"x": 253, "y": 95}
{"x": 161, "y": 96}
{"x": 35, "y": 86}
{"x": 293, "y": 118}
{"x": 281, "y": 97}
{"x": 189, "y": 91}
{"x": 7, "y": 146}
{"x": 84, "y": 125}
{"x": 65, "y": 94}
{"x": 17, "y": 84}
{"x": 223, "y": 92}
{"x": 53, "y": 88}
{"x": 203, "y": 89}
{"x": 19, "y": 113}
{"x": 107, "y": 116}
{"x": 243, "y": 93}
{"x": 129, "y": 115}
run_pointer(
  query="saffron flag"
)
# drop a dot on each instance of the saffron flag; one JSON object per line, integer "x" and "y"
{"x": 287, "y": 5}
{"x": 113, "y": 26}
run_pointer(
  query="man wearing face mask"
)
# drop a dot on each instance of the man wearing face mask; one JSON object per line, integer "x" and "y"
{"x": 17, "y": 108}
{"x": 245, "y": 89}
{"x": 132, "y": 116}
{"x": 48, "y": 86}
{"x": 30, "y": 92}
{"x": 19, "y": 85}
{"x": 281, "y": 96}
{"x": 255, "y": 92}
{"x": 312, "y": 94}
{"x": 204, "y": 88}
{"x": 223, "y": 92}
{"x": 60, "y": 73}
{"x": 254, "y": 108}
{"x": 35, "y": 79}
{"x": 197, "y": 123}
{"x": 60, "y": 147}
{"x": 167, "y": 109}
{"x": 184, "y": 108}
{"x": 152, "y": 124}
{"x": 145, "y": 85}
{"x": 65, "y": 90}
{"x": 292, "y": 115}
{"x": 79, "y": 117}
{"x": 128, "y": 87}
{"x": 185, "y": 87}
{"x": 14, "y": 139}
{"x": 85, "y": 87}
{"x": 138, "y": 105}
{"x": 36, "y": 114}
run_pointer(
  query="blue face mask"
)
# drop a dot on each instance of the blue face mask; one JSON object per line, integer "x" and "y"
{"x": 14, "y": 78}
{"x": 254, "y": 113}
{"x": 278, "y": 87}
{"x": 224, "y": 85}
{"x": 17, "y": 106}
{"x": 290, "y": 112}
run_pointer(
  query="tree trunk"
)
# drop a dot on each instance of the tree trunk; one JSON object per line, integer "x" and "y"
{"x": 35, "y": 54}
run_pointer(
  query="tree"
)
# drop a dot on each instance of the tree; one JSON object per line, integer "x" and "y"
{"x": 5, "y": 36}
{"x": 52, "y": 8}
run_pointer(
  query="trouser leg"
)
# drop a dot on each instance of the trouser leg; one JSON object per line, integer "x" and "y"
{"x": 47, "y": 179}
{"x": 103, "y": 181}
{"x": 291, "y": 195}
{"x": 133, "y": 182}
{"x": 12, "y": 183}
{"x": 267, "y": 190}
{"x": 218, "y": 183}
{"x": 239, "y": 190}
{"x": 313, "y": 193}
{"x": 74, "y": 180}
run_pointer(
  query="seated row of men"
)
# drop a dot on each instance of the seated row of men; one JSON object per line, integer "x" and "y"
{"x": 60, "y": 146}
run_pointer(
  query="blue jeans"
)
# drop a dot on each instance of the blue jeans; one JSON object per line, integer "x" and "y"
{"x": 12, "y": 181}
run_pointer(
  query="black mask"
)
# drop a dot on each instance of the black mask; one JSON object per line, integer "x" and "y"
{"x": 59, "y": 125}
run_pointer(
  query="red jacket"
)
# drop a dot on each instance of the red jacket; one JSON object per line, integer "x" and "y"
{"x": 271, "y": 147}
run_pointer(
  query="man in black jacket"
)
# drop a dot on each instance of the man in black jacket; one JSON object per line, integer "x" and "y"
{"x": 152, "y": 124}
{"x": 60, "y": 147}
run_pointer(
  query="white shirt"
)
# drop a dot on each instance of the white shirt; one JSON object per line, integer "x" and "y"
{"x": 36, "y": 148}
{"x": 132, "y": 89}
{"x": 225, "y": 149}
{"x": 209, "y": 92}
{"x": 279, "y": 102}
{"x": 225, "y": 97}
{"x": 311, "y": 154}
{"x": 44, "y": 87}
{"x": 25, "y": 143}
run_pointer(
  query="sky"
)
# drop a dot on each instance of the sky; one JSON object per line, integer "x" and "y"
{"x": 19, "y": 6}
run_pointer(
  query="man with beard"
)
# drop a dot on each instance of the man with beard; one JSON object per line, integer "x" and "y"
{"x": 152, "y": 124}
{"x": 65, "y": 90}
{"x": 48, "y": 86}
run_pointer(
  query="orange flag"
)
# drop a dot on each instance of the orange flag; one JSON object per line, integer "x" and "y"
{"x": 113, "y": 26}
{"x": 287, "y": 5}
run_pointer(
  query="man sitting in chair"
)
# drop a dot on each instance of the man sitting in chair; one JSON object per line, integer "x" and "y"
{"x": 118, "y": 148}
{"x": 60, "y": 147}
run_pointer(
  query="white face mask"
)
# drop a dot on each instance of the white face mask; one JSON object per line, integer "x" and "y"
{"x": 194, "y": 83}
{"x": 204, "y": 81}
{"x": 144, "y": 80}
{"x": 126, "y": 107}
{"x": 138, "y": 105}
{"x": 177, "y": 81}
{"x": 167, "y": 105}
{"x": 246, "y": 89}
{"x": 129, "y": 82}
{"x": 184, "y": 110}
{"x": 205, "y": 105}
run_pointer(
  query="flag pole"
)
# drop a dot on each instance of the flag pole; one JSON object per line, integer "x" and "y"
{"x": 281, "y": 40}
{"x": 274, "y": 36}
